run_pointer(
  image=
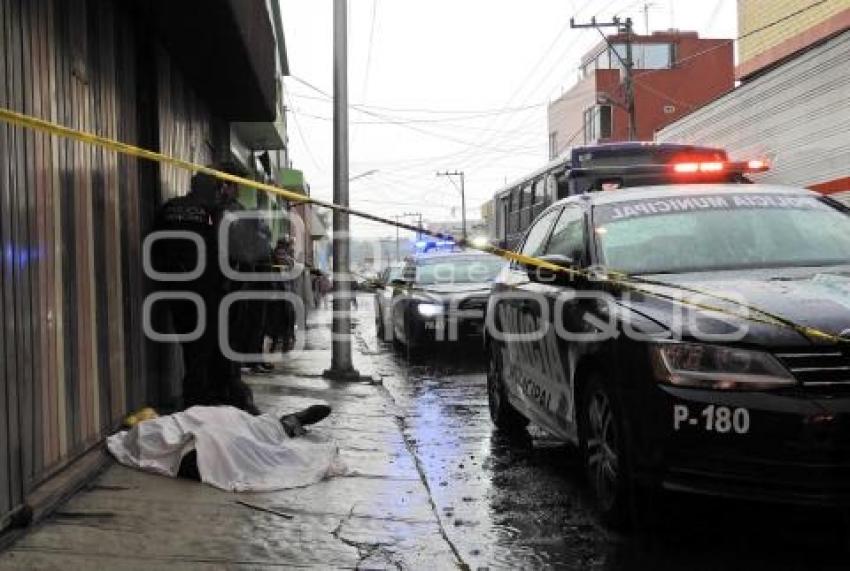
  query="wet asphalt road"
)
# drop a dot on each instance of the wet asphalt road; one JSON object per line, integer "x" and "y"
{"x": 524, "y": 504}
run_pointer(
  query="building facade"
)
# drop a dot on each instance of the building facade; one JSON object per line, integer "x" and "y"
{"x": 793, "y": 103}
{"x": 74, "y": 358}
{"x": 674, "y": 73}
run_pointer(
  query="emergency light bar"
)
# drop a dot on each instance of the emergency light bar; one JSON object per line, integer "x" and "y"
{"x": 678, "y": 168}
{"x": 753, "y": 165}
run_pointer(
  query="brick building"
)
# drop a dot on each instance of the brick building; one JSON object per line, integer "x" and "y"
{"x": 674, "y": 73}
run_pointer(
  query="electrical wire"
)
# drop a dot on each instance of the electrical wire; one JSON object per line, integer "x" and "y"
{"x": 310, "y": 154}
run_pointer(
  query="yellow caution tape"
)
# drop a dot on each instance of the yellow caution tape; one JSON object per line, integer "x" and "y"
{"x": 617, "y": 279}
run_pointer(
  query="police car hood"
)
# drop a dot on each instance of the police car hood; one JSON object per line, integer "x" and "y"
{"x": 818, "y": 298}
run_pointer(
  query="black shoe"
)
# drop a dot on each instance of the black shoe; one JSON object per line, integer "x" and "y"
{"x": 294, "y": 423}
{"x": 313, "y": 414}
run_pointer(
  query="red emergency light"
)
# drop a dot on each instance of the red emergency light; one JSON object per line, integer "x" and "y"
{"x": 706, "y": 167}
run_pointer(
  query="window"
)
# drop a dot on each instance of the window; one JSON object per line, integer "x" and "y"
{"x": 598, "y": 123}
{"x": 568, "y": 235}
{"x": 652, "y": 56}
{"x": 535, "y": 240}
{"x": 458, "y": 270}
{"x": 731, "y": 232}
{"x": 589, "y": 125}
{"x": 527, "y": 196}
{"x": 644, "y": 56}
{"x": 540, "y": 191}
{"x": 604, "y": 121}
{"x": 513, "y": 218}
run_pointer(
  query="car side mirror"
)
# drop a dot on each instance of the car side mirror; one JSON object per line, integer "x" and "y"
{"x": 546, "y": 275}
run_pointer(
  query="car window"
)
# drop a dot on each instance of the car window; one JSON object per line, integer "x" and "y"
{"x": 455, "y": 270}
{"x": 535, "y": 240}
{"x": 722, "y": 232}
{"x": 568, "y": 235}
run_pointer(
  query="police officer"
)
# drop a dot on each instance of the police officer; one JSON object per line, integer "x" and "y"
{"x": 210, "y": 378}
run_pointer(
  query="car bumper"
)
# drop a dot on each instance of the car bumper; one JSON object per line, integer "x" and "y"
{"x": 447, "y": 329}
{"x": 795, "y": 449}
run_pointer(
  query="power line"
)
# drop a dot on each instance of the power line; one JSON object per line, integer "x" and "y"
{"x": 407, "y": 121}
{"x": 743, "y": 36}
{"x": 369, "y": 50}
{"x": 484, "y": 111}
{"x": 557, "y": 62}
{"x": 405, "y": 125}
{"x": 644, "y": 73}
{"x": 310, "y": 154}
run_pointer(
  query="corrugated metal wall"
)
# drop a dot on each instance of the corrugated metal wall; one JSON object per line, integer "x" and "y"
{"x": 185, "y": 126}
{"x": 798, "y": 114}
{"x": 70, "y": 235}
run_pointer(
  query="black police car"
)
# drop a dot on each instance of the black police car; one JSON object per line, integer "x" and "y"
{"x": 694, "y": 372}
{"x": 441, "y": 297}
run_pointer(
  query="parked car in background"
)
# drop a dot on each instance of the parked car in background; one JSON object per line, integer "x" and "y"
{"x": 383, "y": 298}
{"x": 441, "y": 297}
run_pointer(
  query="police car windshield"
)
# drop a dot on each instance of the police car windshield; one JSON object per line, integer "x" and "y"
{"x": 723, "y": 231}
{"x": 457, "y": 270}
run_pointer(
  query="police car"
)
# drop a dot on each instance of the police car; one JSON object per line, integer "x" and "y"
{"x": 441, "y": 297}
{"x": 713, "y": 360}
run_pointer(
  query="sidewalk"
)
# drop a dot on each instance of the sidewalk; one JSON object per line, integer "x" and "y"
{"x": 378, "y": 516}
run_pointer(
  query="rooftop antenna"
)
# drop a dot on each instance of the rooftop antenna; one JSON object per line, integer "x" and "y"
{"x": 645, "y": 10}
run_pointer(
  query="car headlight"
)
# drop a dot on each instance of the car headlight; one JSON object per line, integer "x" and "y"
{"x": 430, "y": 309}
{"x": 713, "y": 367}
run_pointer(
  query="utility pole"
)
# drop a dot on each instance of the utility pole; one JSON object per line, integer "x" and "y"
{"x": 462, "y": 197}
{"x": 624, "y": 27}
{"x": 341, "y": 363}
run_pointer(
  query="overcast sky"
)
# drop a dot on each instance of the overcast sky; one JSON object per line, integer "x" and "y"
{"x": 448, "y": 84}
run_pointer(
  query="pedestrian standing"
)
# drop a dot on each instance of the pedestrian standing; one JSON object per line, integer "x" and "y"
{"x": 281, "y": 322}
{"x": 325, "y": 288}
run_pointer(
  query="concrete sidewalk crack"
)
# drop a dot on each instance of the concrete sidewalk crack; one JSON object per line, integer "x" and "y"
{"x": 366, "y": 549}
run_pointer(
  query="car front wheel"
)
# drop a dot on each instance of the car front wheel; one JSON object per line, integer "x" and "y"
{"x": 504, "y": 415}
{"x": 604, "y": 454}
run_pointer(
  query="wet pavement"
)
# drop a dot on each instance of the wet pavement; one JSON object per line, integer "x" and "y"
{"x": 524, "y": 504}
{"x": 430, "y": 486}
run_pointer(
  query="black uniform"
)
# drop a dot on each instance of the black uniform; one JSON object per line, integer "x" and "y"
{"x": 190, "y": 213}
{"x": 210, "y": 378}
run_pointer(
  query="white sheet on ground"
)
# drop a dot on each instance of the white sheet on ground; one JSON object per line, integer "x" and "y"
{"x": 236, "y": 451}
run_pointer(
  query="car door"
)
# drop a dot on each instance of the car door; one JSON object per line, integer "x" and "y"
{"x": 518, "y": 313}
{"x": 563, "y": 344}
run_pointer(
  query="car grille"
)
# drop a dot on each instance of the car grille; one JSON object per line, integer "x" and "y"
{"x": 473, "y": 303}
{"x": 818, "y": 368}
